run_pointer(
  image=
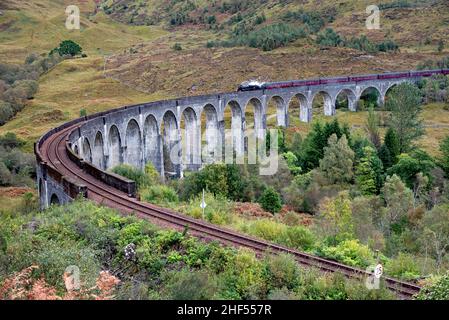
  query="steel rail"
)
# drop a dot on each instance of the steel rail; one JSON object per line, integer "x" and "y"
{"x": 53, "y": 150}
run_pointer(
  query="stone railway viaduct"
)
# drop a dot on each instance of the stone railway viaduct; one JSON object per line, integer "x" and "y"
{"x": 143, "y": 133}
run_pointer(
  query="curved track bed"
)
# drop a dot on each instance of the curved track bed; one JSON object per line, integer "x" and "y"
{"x": 53, "y": 151}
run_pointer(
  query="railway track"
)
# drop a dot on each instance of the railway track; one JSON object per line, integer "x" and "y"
{"x": 53, "y": 151}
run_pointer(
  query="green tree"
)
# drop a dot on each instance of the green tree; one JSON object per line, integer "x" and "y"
{"x": 296, "y": 144}
{"x": 270, "y": 200}
{"x": 229, "y": 181}
{"x": 372, "y": 127}
{"x": 313, "y": 147}
{"x": 405, "y": 105}
{"x": 235, "y": 182}
{"x": 398, "y": 199}
{"x": 390, "y": 149}
{"x": 337, "y": 162}
{"x": 444, "y": 160}
{"x": 292, "y": 162}
{"x": 281, "y": 140}
{"x": 336, "y": 214}
{"x": 317, "y": 139}
{"x": 69, "y": 47}
{"x": 214, "y": 179}
{"x": 369, "y": 172}
{"x": 408, "y": 166}
{"x": 436, "y": 231}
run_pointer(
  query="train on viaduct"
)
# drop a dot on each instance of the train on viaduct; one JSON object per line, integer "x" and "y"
{"x": 141, "y": 133}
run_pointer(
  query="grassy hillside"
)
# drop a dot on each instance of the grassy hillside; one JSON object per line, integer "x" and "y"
{"x": 74, "y": 84}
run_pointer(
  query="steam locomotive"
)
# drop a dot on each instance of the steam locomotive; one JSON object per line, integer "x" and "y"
{"x": 255, "y": 85}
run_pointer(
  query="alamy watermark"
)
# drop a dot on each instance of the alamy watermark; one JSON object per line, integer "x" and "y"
{"x": 372, "y": 282}
{"x": 373, "y": 20}
{"x": 72, "y": 278}
{"x": 236, "y": 147}
{"x": 73, "y": 18}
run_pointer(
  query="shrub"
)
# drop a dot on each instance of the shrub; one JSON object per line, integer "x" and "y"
{"x": 218, "y": 179}
{"x": 282, "y": 294}
{"x": 313, "y": 20}
{"x": 349, "y": 252}
{"x": 29, "y": 203}
{"x": 131, "y": 233}
{"x": 152, "y": 173}
{"x": 177, "y": 47}
{"x": 10, "y": 141}
{"x": 436, "y": 290}
{"x": 403, "y": 266}
{"x": 5, "y": 175}
{"x": 132, "y": 173}
{"x": 6, "y": 112}
{"x": 246, "y": 274}
{"x": 159, "y": 194}
{"x": 191, "y": 285}
{"x": 217, "y": 210}
{"x": 270, "y": 200}
{"x": 267, "y": 38}
{"x": 388, "y": 45}
{"x": 29, "y": 87}
{"x": 329, "y": 38}
{"x": 297, "y": 237}
{"x": 266, "y": 229}
{"x": 282, "y": 271}
{"x": 361, "y": 44}
{"x": 319, "y": 287}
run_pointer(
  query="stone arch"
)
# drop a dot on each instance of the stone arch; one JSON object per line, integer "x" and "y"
{"x": 54, "y": 199}
{"x": 298, "y": 108}
{"x": 115, "y": 147}
{"x": 328, "y": 103}
{"x": 349, "y": 99}
{"x": 210, "y": 133}
{"x": 98, "y": 151}
{"x": 133, "y": 154}
{"x": 87, "y": 151}
{"x": 171, "y": 145}
{"x": 276, "y": 113}
{"x": 254, "y": 118}
{"x": 151, "y": 140}
{"x": 369, "y": 93}
{"x": 233, "y": 135}
{"x": 190, "y": 136}
{"x": 76, "y": 149}
{"x": 383, "y": 98}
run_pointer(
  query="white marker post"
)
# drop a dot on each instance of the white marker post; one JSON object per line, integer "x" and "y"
{"x": 203, "y": 204}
